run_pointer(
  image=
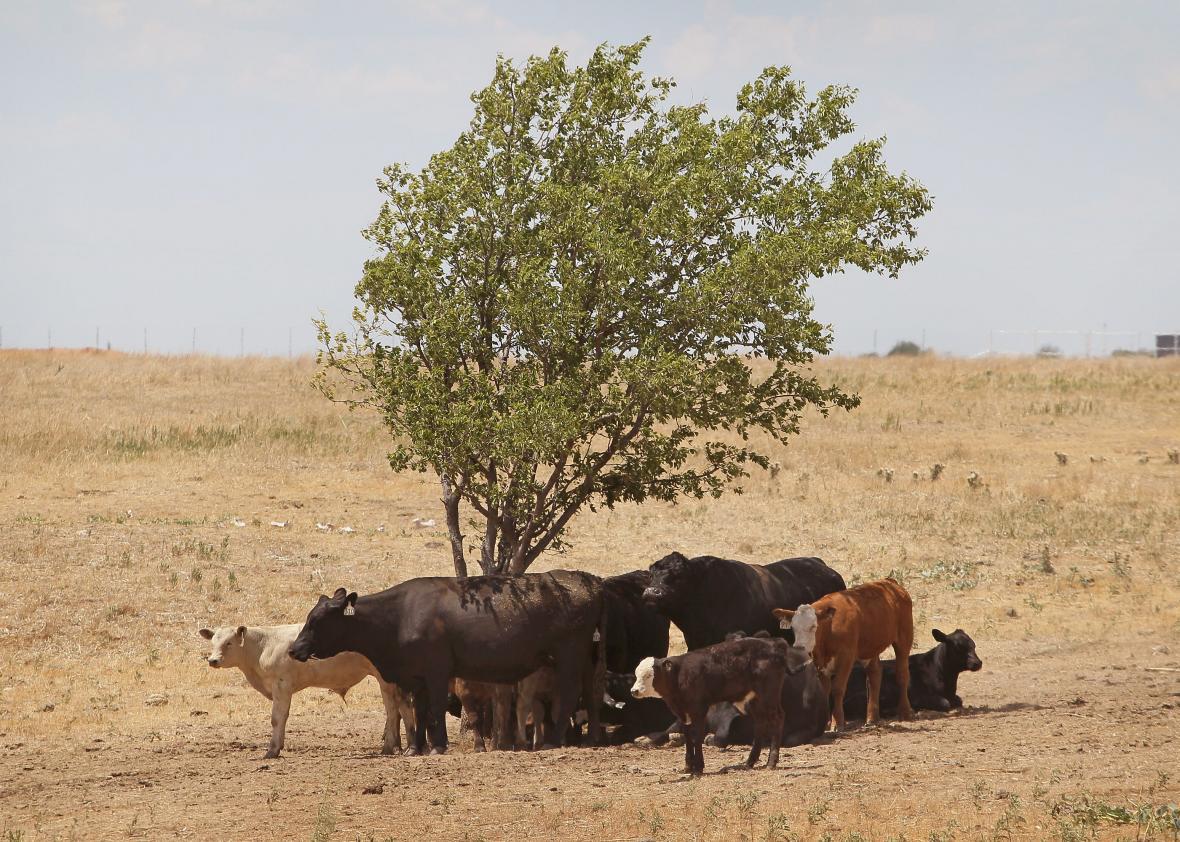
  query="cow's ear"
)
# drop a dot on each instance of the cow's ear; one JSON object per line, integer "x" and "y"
{"x": 350, "y": 604}
{"x": 783, "y": 613}
{"x": 340, "y": 593}
{"x": 665, "y": 664}
{"x": 350, "y": 599}
{"x": 206, "y": 633}
{"x": 939, "y": 636}
{"x": 241, "y": 635}
{"x": 825, "y": 612}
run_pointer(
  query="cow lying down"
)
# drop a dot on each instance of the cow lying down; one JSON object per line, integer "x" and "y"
{"x": 934, "y": 677}
{"x": 260, "y": 652}
{"x": 748, "y": 673}
{"x": 805, "y": 711}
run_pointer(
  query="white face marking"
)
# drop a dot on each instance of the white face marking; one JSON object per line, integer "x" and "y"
{"x": 804, "y": 624}
{"x": 744, "y": 701}
{"x": 645, "y": 677}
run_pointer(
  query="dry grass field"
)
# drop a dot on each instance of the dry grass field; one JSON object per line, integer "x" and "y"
{"x": 123, "y": 481}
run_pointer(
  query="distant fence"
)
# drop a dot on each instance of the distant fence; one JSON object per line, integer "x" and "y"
{"x": 220, "y": 340}
{"x": 299, "y": 340}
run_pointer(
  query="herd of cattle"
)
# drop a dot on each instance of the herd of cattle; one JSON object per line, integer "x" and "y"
{"x": 777, "y": 653}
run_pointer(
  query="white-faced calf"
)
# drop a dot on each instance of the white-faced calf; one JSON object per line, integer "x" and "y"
{"x": 260, "y": 652}
{"x": 748, "y": 672}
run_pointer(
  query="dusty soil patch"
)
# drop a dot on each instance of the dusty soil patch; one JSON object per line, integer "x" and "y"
{"x": 125, "y": 480}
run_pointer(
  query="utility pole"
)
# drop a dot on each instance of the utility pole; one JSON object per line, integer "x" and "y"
{"x": 194, "y": 340}
{"x": 145, "y": 341}
{"x": 874, "y": 340}
{"x": 96, "y": 339}
{"x": 51, "y": 339}
{"x": 242, "y": 344}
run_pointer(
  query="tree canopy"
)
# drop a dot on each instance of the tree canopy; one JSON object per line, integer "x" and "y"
{"x": 562, "y": 306}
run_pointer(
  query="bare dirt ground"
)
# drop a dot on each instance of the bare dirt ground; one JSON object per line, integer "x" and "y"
{"x": 123, "y": 479}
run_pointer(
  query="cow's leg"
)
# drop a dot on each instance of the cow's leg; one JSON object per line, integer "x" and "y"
{"x": 694, "y": 735}
{"x": 391, "y": 697}
{"x": 435, "y": 712}
{"x": 567, "y": 689}
{"x": 523, "y": 703}
{"x": 279, "y": 710}
{"x": 873, "y": 690}
{"x": 502, "y": 717}
{"x": 839, "y": 685}
{"x": 756, "y": 746}
{"x": 593, "y": 689}
{"x": 405, "y": 708}
{"x": 690, "y": 761}
{"x": 421, "y": 717}
{"x": 478, "y": 722}
{"x": 775, "y": 726}
{"x": 901, "y": 651}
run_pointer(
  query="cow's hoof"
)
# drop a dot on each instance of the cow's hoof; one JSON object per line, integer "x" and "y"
{"x": 410, "y": 752}
{"x": 437, "y": 750}
{"x": 710, "y": 740}
{"x": 479, "y": 749}
{"x": 676, "y": 740}
{"x": 271, "y": 755}
{"x": 642, "y": 742}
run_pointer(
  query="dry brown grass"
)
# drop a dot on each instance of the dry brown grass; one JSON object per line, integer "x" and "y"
{"x": 121, "y": 478}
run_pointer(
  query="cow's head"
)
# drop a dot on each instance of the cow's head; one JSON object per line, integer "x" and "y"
{"x": 647, "y": 674}
{"x": 227, "y": 645}
{"x": 618, "y": 689}
{"x": 670, "y": 579}
{"x": 804, "y": 623}
{"x": 325, "y": 633}
{"x": 960, "y": 650}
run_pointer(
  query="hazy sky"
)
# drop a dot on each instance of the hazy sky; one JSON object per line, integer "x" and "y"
{"x": 165, "y": 165}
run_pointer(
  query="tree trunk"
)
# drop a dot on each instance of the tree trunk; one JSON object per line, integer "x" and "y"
{"x": 450, "y": 501}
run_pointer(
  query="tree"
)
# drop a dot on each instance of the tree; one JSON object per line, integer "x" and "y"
{"x": 562, "y": 306}
{"x": 905, "y": 348}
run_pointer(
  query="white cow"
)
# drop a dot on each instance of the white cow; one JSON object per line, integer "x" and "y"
{"x": 260, "y": 652}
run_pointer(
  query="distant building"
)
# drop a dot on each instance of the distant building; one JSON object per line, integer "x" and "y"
{"x": 1167, "y": 344}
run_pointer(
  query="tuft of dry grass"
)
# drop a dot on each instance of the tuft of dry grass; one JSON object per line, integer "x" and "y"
{"x": 136, "y": 501}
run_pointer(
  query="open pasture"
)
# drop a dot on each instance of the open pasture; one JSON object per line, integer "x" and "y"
{"x": 137, "y": 497}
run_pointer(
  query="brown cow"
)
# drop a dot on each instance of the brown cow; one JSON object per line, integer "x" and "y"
{"x": 857, "y": 625}
{"x": 487, "y": 711}
{"x": 747, "y": 672}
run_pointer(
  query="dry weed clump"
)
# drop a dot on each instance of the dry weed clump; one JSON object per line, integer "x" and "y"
{"x": 136, "y": 504}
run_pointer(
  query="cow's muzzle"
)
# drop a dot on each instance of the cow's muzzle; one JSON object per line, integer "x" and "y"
{"x": 299, "y": 654}
{"x": 652, "y": 594}
{"x": 975, "y": 665}
{"x": 214, "y": 662}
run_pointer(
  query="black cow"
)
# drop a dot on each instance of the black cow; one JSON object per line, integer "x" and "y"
{"x": 483, "y": 628}
{"x": 633, "y": 717}
{"x": 934, "y": 677}
{"x": 709, "y": 597}
{"x": 806, "y": 710}
{"x": 634, "y": 629}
